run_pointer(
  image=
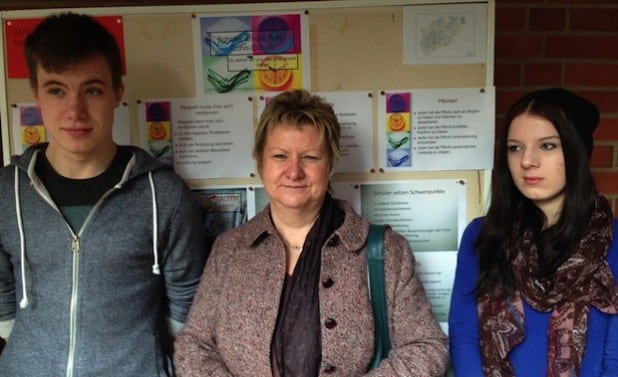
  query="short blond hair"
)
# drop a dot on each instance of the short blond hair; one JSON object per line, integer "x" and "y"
{"x": 298, "y": 108}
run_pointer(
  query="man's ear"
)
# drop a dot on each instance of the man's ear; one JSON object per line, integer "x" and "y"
{"x": 35, "y": 95}
{"x": 119, "y": 94}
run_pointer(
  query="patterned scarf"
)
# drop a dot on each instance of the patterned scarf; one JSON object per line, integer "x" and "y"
{"x": 583, "y": 280}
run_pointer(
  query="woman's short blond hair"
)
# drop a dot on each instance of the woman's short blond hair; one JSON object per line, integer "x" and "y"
{"x": 298, "y": 108}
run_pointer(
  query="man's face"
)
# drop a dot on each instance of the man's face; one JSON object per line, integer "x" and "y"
{"x": 77, "y": 106}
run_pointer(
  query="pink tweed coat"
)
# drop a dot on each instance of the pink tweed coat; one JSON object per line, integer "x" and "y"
{"x": 230, "y": 325}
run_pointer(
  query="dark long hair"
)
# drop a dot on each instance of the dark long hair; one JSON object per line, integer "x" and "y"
{"x": 510, "y": 213}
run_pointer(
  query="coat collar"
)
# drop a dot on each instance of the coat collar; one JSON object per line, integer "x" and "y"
{"x": 352, "y": 234}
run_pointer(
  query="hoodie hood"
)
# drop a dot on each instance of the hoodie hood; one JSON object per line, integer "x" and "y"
{"x": 142, "y": 161}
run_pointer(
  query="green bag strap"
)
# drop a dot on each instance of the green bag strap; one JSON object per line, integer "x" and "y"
{"x": 377, "y": 292}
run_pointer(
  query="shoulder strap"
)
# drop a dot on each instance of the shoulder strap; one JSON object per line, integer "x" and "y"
{"x": 377, "y": 292}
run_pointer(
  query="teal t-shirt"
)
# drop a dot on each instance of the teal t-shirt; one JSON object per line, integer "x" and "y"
{"x": 76, "y": 197}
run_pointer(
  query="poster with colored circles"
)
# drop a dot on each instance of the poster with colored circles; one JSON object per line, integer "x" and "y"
{"x": 258, "y": 53}
{"x": 398, "y": 129}
{"x": 436, "y": 129}
{"x": 159, "y": 131}
{"x": 200, "y": 137}
{"x": 31, "y": 126}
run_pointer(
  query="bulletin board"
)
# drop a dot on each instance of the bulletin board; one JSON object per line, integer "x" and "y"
{"x": 354, "y": 46}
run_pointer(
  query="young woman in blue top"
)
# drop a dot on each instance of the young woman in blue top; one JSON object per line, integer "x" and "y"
{"x": 535, "y": 291}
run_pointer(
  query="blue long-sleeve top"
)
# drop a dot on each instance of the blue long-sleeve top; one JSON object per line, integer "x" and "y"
{"x": 529, "y": 358}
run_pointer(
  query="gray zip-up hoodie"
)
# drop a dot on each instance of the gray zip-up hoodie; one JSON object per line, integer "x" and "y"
{"x": 94, "y": 302}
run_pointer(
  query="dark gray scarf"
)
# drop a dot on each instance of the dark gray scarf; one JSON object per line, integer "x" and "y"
{"x": 297, "y": 345}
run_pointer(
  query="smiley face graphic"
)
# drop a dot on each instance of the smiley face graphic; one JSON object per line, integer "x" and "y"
{"x": 31, "y": 135}
{"x": 396, "y": 122}
{"x": 157, "y": 131}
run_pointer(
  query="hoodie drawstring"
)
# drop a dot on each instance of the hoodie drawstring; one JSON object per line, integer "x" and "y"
{"x": 23, "y": 303}
{"x": 156, "y": 269}
{"x": 155, "y": 225}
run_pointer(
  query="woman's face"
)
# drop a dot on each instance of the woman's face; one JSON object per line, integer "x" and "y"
{"x": 536, "y": 162}
{"x": 295, "y": 168}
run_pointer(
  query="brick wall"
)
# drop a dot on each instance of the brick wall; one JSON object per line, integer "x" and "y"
{"x": 568, "y": 43}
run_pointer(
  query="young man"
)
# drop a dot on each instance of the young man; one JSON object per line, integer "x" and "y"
{"x": 101, "y": 246}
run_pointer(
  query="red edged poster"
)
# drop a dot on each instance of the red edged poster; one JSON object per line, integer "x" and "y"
{"x": 16, "y": 31}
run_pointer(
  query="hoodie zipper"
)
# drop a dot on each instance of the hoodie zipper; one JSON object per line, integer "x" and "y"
{"x": 75, "y": 248}
{"x": 73, "y": 307}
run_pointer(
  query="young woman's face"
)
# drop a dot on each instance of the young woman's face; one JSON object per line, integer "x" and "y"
{"x": 536, "y": 162}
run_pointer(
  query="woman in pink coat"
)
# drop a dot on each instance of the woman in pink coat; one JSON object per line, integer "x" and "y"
{"x": 285, "y": 294}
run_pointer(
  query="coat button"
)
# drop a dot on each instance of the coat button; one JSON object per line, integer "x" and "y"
{"x": 330, "y": 323}
{"x": 327, "y": 283}
{"x": 330, "y": 369}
